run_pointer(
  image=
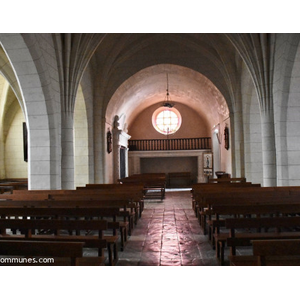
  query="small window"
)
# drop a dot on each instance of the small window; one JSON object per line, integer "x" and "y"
{"x": 166, "y": 120}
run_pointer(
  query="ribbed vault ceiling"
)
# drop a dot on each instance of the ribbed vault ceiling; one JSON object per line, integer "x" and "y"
{"x": 186, "y": 86}
{"x": 201, "y": 69}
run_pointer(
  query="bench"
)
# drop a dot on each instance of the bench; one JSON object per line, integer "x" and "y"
{"x": 15, "y": 185}
{"x": 105, "y": 194}
{"x": 55, "y": 226}
{"x": 253, "y": 196}
{"x": 74, "y": 209}
{"x": 248, "y": 209}
{"x": 109, "y": 214}
{"x": 105, "y": 200}
{"x": 179, "y": 179}
{"x": 200, "y": 192}
{"x": 6, "y": 189}
{"x": 128, "y": 209}
{"x": 276, "y": 228}
{"x": 227, "y": 180}
{"x": 245, "y": 210}
{"x": 281, "y": 252}
{"x": 33, "y": 250}
{"x": 130, "y": 193}
{"x": 84, "y": 204}
{"x": 154, "y": 184}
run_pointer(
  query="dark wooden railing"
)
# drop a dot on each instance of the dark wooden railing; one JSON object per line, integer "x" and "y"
{"x": 170, "y": 144}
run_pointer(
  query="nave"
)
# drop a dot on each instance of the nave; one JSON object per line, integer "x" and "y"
{"x": 168, "y": 234}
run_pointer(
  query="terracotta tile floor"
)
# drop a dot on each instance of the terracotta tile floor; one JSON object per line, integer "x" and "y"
{"x": 168, "y": 234}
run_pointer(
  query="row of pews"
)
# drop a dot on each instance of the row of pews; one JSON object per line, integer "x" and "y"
{"x": 7, "y": 186}
{"x": 238, "y": 215}
{"x": 62, "y": 223}
{"x": 154, "y": 184}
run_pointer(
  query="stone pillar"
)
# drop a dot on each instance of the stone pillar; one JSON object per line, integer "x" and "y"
{"x": 120, "y": 138}
{"x": 268, "y": 148}
{"x": 126, "y": 157}
{"x": 116, "y": 154}
{"x": 67, "y": 155}
{"x": 238, "y": 169}
{"x": 200, "y": 175}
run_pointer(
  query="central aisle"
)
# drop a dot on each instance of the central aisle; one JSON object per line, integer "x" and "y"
{"x": 168, "y": 234}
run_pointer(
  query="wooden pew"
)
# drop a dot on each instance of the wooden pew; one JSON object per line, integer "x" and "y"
{"x": 85, "y": 208}
{"x": 277, "y": 252}
{"x": 34, "y": 250}
{"x": 134, "y": 186}
{"x": 154, "y": 184}
{"x": 281, "y": 252}
{"x": 282, "y": 228}
{"x": 121, "y": 199}
{"x": 254, "y": 196}
{"x": 201, "y": 191}
{"x": 84, "y": 204}
{"x": 107, "y": 213}
{"x": 16, "y": 185}
{"x": 6, "y": 189}
{"x": 102, "y": 194}
{"x": 128, "y": 209}
{"x": 229, "y": 211}
{"x": 183, "y": 177}
{"x": 131, "y": 192}
{"x": 227, "y": 180}
{"x": 55, "y": 225}
{"x": 248, "y": 210}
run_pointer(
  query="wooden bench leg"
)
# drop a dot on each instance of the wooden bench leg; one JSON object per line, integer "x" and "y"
{"x": 136, "y": 217}
{"x": 100, "y": 252}
{"x": 115, "y": 254}
{"x": 110, "y": 256}
{"x": 204, "y": 225}
{"x": 217, "y": 247}
{"x": 112, "y": 253}
{"x": 222, "y": 250}
{"x": 123, "y": 234}
{"x": 130, "y": 225}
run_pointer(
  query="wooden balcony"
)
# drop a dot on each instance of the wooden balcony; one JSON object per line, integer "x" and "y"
{"x": 170, "y": 144}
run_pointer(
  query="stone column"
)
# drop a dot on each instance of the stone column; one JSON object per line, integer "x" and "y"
{"x": 200, "y": 175}
{"x": 116, "y": 154}
{"x": 67, "y": 155}
{"x": 120, "y": 138}
{"x": 238, "y": 143}
{"x": 126, "y": 157}
{"x": 268, "y": 148}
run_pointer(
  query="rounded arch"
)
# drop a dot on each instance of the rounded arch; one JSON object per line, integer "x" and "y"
{"x": 147, "y": 88}
{"x": 186, "y": 86}
{"x": 11, "y": 134}
{"x": 24, "y": 67}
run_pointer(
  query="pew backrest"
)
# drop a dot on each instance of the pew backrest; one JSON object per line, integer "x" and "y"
{"x": 50, "y": 249}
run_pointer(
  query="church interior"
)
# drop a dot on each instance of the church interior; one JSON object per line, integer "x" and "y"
{"x": 150, "y": 149}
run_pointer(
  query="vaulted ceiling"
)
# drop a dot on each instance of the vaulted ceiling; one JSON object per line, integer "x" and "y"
{"x": 202, "y": 71}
